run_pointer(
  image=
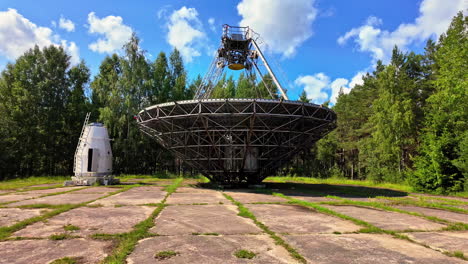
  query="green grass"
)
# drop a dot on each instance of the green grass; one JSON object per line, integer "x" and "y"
{"x": 457, "y": 254}
{"x": 162, "y": 255}
{"x": 245, "y": 254}
{"x": 424, "y": 203}
{"x": 339, "y": 181}
{"x": 66, "y": 260}
{"x": 25, "y": 182}
{"x": 244, "y": 212}
{"x": 205, "y": 234}
{"x": 126, "y": 242}
{"x": 70, "y": 227}
{"x": 60, "y": 236}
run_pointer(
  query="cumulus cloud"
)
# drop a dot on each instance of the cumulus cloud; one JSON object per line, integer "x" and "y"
{"x": 319, "y": 87}
{"x": 283, "y": 24}
{"x": 315, "y": 86}
{"x": 114, "y": 33}
{"x": 18, "y": 34}
{"x": 66, "y": 24}
{"x": 434, "y": 18}
{"x": 211, "y": 23}
{"x": 185, "y": 32}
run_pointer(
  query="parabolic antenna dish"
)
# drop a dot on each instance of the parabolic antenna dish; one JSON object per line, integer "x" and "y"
{"x": 236, "y": 140}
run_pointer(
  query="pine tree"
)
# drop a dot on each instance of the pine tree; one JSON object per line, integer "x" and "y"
{"x": 440, "y": 166}
{"x": 303, "y": 97}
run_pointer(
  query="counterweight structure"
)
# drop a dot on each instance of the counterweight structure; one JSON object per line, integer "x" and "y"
{"x": 232, "y": 141}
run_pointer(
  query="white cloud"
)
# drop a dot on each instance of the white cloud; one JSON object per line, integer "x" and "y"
{"x": 434, "y": 18}
{"x": 319, "y": 86}
{"x": 211, "y": 23}
{"x": 315, "y": 86}
{"x": 18, "y": 34}
{"x": 113, "y": 31}
{"x": 283, "y": 24}
{"x": 66, "y": 24}
{"x": 185, "y": 32}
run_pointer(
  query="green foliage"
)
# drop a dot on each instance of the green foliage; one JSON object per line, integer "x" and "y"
{"x": 441, "y": 166}
{"x": 246, "y": 254}
{"x": 40, "y": 97}
{"x": 303, "y": 97}
{"x": 70, "y": 227}
{"x": 66, "y": 260}
{"x": 162, "y": 255}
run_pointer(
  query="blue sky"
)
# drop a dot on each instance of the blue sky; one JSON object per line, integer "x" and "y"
{"x": 322, "y": 46}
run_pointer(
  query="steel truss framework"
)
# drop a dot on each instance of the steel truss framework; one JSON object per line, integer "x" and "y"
{"x": 236, "y": 140}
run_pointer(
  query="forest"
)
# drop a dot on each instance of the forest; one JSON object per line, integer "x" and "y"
{"x": 406, "y": 123}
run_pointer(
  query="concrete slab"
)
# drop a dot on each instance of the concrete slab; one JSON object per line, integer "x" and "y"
{"x": 10, "y": 216}
{"x": 188, "y": 182}
{"x": 134, "y": 196}
{"x": 210, "y": 249}
{"x": 45, "y": 185}
{"x": 102, "y": 220}
{"x": 387, "y": 220}
{"x": 246, "y": 197}
{"x": 442, "y": 214}
{"x": 105, "y": 190}
{"x": 188, "y": 219}
{"x": 16, "y": 197}
{"x": 196, "y": 198}
{"x": 461, "y": 199}
{"x": 46, "y": 251}
{"x": 66, "y": 198}
{"x": 194, "y": 190}
{"x": 364, "y": 249}
{"x": 50, "y": 191}
{"x": 445, "y": 241}
{"x": 294, "y": 219}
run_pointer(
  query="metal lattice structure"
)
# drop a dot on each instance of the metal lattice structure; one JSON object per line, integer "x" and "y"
{"x": 238, "y": 50}
{"x": 236, "y": 140}
{"x": 233, "y": 141}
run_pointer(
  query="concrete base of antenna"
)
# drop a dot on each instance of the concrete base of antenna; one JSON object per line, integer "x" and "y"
{"x": 92, "y": 180}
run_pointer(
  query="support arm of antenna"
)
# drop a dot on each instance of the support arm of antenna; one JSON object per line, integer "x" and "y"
{"x": 283, "y": 93}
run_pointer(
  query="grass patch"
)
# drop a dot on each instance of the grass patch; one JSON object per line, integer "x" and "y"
{"x": 456, "y": 227}
{"x": 422, "y": 202}
{"x": 244, "y": 212}
{"x": 457, "y": 254}
{"x": 26, "y": 182}
{"x": 245, "y": 254}
{"x": 339, "y": 181}
{"x": 39, "y": 206}
{"x": 126, "y": 242}
{"x": 66, "y": 260}
{"x": 162, "y": 255}
{"x": 205, "y": 234}
{"x": 70, "y": 227}
{"x": 62, "y": 236}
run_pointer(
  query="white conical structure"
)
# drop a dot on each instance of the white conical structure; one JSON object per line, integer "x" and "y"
{"x": 93, "y": 157}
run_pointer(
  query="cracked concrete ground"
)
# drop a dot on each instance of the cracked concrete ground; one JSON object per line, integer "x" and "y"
{"x": 100, "y": 220}
{"x": 46, "y": 251}
{"x": 201, "y": 226}
{"x": 387, "y": 220}
{"x": 364, "y": 249}
{"x": 294, "y": 219}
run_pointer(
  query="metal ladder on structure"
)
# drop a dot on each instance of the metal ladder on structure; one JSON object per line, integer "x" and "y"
{"x": 79, "y": 142}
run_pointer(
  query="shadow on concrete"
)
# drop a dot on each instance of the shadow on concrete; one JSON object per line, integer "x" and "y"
{"x": 313, "y": 190}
